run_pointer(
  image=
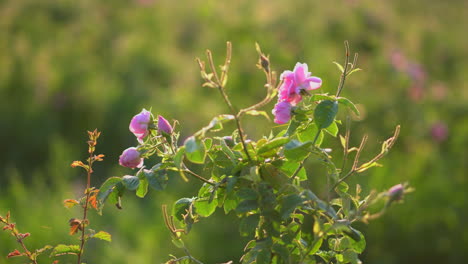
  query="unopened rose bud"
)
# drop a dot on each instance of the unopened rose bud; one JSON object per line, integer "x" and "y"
{"x": 396, "y": 192}
{"x": 164, "y": 126}
{"x": 229, "y": 141}
{"x": 131, "y": 158}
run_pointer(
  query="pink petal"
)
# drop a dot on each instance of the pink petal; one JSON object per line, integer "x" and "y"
{"x": 300, "y": 73}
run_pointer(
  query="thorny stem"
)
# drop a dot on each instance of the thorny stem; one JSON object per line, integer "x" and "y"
{"x": 85, "y": 210}
{"x": 19, "y": 239}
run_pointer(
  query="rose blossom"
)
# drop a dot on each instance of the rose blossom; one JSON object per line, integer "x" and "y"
{"x": 295, "y": 81}
{"x": 163, "y": 125}
{"x": 131, "y": 158}
{"x": 282, "y": 112}
{"x": 139, "y": 124}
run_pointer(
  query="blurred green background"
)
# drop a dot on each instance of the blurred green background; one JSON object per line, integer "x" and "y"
{"x": 67, "y": 66}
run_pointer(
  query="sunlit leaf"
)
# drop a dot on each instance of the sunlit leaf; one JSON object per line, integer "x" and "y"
{"x": 195, "y": 150}
{"x": 62, "y": 249}
{"x": 103, "y": 236}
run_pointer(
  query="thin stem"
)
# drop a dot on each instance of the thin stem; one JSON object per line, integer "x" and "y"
{"x": 85, "y": 211}
{"x": 345, "y": 70}
{"x": 220, "y": 85}
{"x": 20, "y": 241}
{"x": 197, "y": 176}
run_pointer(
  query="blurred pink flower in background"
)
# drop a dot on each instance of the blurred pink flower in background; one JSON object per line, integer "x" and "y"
{"x": 439, "y": 131}
{"x": 139, "y": 124}
{"x": 131, "y": 158}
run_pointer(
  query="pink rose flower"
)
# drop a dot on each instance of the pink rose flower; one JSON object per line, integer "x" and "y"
{"x": 295, "y": 81}
{"x": 164, "y": 126}
{"x": 131, "y": 158}
{"x": 139, "y": 124}
{"x": 282, "y": 112}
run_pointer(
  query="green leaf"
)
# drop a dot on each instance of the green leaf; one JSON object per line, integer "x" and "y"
{"x": 230, "y": 203}
{"x": 206, "y": 208}
{"x": 180, "y": 208}
{"x": 62, "y": 249}
{"x": 332, "y": 129}
{"x": 246, "y": 206}
{"x": 320, "y": 97}
{"x": 273, "y": 144}
{"x": 346, "y": 102}
{"x": 289, "y": 204}
{"x": 248, "y": 225}
{"x": 274, "y": 176}
{"x": 258, "y": 113}
{"x": 157, "y": 179}
{"x": 130, "y": 182}
{"x": 247, "y": 194}
{"x": 339, "y": 66}
{"x": 357, "y": 241}
{"x": 350, "y": 256}
{"x": 142, "y": 188}
{"x": 263, "y": 257}
{"x": 282, "y": 251}
{"x": 325, "y": 113}
{"x": 316, "y": 246}
{"x": 178, "y": 157}
{"x": 309, "y": 133}
{"x": 103, "y": 236}
{"x": 293, "y": 125}
{"x": 297, "y": 151}
{"x": 208, "y": 143}
{"x": 107, "y": 188}
{"x": 195, "y": 150}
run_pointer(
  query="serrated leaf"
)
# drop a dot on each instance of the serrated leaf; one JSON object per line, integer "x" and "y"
{"x": 107, "y": 188}
{"x": 178, "y": 157}
{"x": 346, "y": 102}
{"x": 206, "y": 208}
{"x": 273, "y": 144}
{"x": 180, "y": 207}
{"x": 248, "y": 224}
{"x": 195, "y": 150}
{"x": 130, "y": 182}
{"x": 157, "y": 179}
{"x": 316, "y": 246}
{"x": 69, "y": 203}
{"x": 247, "y": 194}
{"x": 297, "y": 151}
{"x": 289, "y": 204}
{"x": 325, "y": 113}
{"x": 332, "y": 129}
{"x": 142, "y": 188}
{"x": 246, "y": 206}
{"x": 62, "y": 249}
{"x": 103, "y": 236}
